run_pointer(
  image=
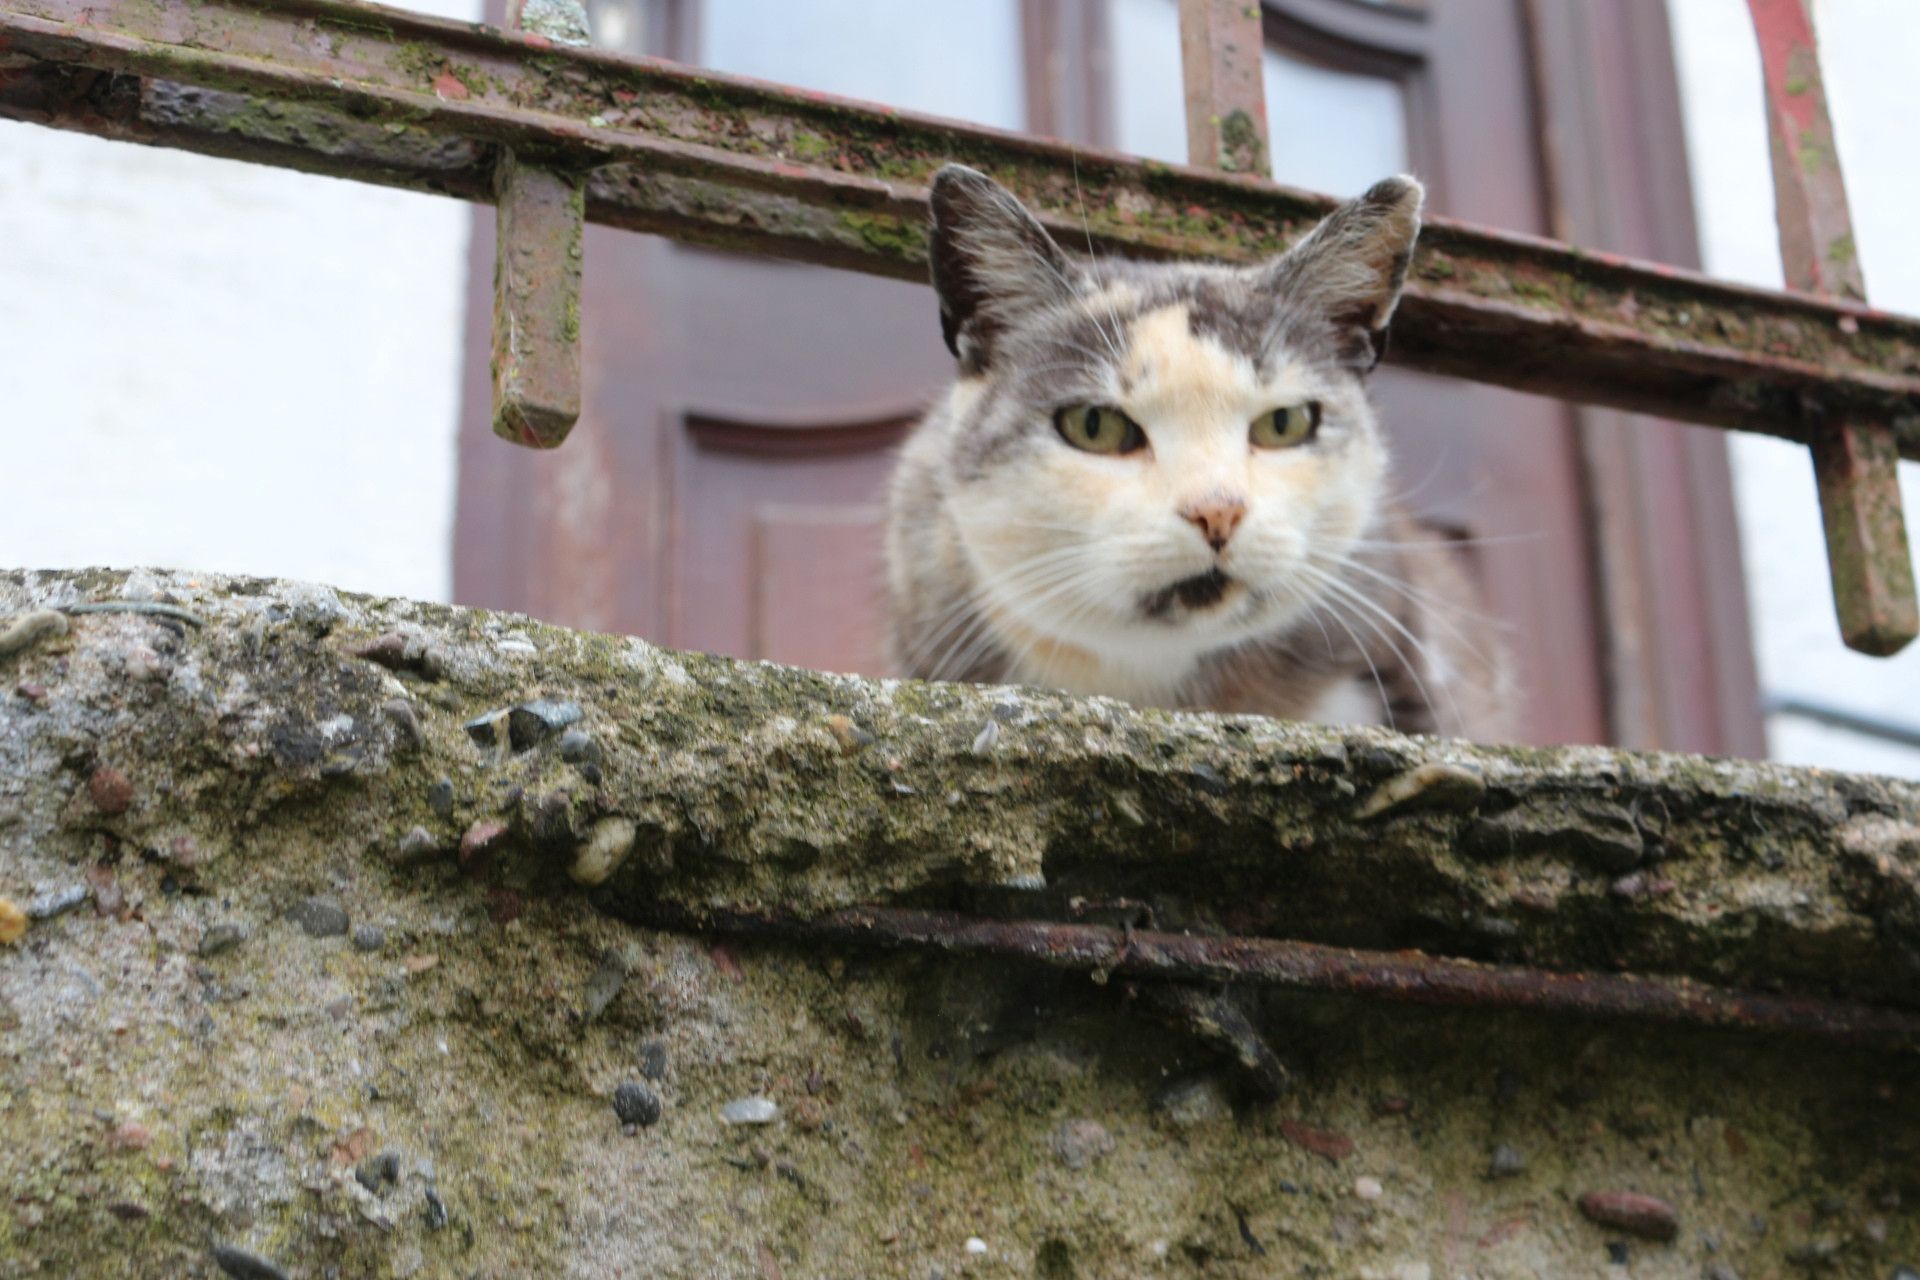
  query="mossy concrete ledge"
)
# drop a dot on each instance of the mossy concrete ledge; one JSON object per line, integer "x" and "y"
{"x": 334, "y": 949}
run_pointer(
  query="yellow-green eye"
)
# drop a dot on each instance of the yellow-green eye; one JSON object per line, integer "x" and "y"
{"x": 1098, "y": 429}
{"x": 1284, "y": 428}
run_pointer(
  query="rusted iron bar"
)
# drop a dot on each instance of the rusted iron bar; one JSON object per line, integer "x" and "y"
{"x": 539, "y": 236}
{"x": 1407, "y": 977}
{"x": 1854, "y": 456}
{"x": 1220, "y": 57}
{"x": 382, "y": 95}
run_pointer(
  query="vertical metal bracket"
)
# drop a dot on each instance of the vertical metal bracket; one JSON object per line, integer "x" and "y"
{"x": 1856, "y": 463}
{"x": 540, "y": 240}
{"x": 1221, "y": 43}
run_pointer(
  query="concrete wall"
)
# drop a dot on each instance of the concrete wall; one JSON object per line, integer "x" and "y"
{"x": 211, "y": 365}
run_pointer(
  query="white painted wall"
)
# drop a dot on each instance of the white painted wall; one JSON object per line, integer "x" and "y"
{"x": 1869, "y": 49}
{"x": 220, "y": 366}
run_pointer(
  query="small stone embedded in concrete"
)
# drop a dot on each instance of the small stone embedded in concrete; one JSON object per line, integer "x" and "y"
{"x": 13, "y": 921}
{"x": 440, "y": 798}
{"x": 221, "y": 938}
{"x": 1633, "y": 1212}
{"x": 576, "y": 746}
{"x": 1368, "y": 1189}
{"x": 417, "y": 843}
{"x": 976, "y": 1246}
{"x": 1814, "y": 1255}
{"x": 1435, "y": 785}
{"x": 604, "y": 983}
{"x": 1194, "y": 1101}
{"x": 653, "y": 1060}
{"x": 46, "y": 906}
{"x": 378, "y": 1171}
{"x": 1597, "y": 831}
{"x": 1322, "y": 1142}
{"x": 1719, "y": 1271}
{"x": 1206, "y": 779}
{"x": 22, "y": 631}
{"x": 242, "y": 1265}
{"x": 434, "y": 1210}
{"x": 751, "y": 1110}
{"x": 369, "y": 937}
{"x": 320, "y": 916}
{"x": 848, "y": 733}
{"x": 404, "y": 718}
{"x": 488, "y": 729}
{"x": 1079, "y": 1143}
{"x": 389, "y": 650}
{"x": 1506, "y": 1162}
{"x": 606, "y": 848}
{"x": 636, "y": 1104}
{"x": 532, "y": 723}
{"x": 110, "y": 790}
{"x": 480, "y": 838}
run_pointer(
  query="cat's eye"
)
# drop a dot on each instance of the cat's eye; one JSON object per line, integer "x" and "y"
{"x": 1097, "y": 428}
{"x": 1284, "y": 428}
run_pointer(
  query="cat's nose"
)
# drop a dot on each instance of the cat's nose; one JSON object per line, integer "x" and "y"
{"x": 1216, "y": 515}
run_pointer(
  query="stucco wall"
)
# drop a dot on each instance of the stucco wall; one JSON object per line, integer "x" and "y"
{"x": 215, "y": 365}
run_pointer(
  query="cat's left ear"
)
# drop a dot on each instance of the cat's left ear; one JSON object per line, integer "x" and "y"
{"x": 992, "y": 262}
{"x": 1352, "y": 266}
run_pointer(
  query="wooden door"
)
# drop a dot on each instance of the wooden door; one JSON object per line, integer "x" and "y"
{"x": 722, "y": 491}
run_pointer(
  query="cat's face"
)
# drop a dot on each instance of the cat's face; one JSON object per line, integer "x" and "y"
{"x": 1151, "y": 462}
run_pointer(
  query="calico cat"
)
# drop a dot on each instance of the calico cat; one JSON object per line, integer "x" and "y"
{"x": 1164, "y": 482}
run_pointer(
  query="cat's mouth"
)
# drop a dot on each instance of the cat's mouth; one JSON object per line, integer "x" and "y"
{"x": 1201, "y": 591}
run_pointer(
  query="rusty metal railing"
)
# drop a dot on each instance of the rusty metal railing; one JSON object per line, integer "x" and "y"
{"x": 557, "y": 135}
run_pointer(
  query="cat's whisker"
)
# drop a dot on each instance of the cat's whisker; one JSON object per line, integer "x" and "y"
{"x": 1035, "y": 573}
{"x": 1437, "y": 608}
{"x": 1086, "y": 229}
{"x": 1451, "y": 614}
{"x": 1352, "y": 596}
{"x": 1492, "y": 540}
{"x": 1379, "y": 685}
{"x": 1050, "y": 575}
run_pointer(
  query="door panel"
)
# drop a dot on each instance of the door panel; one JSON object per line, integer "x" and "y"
{"x": 776, "y": 547}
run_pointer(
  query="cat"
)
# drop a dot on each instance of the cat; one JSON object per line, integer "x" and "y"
{"x": 1164, "y": 482}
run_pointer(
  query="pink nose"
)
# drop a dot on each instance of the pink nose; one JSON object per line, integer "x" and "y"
{"x": 1216, "y": 516}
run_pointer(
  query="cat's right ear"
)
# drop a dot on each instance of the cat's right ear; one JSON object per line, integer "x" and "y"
{"x": 991, "y": 262}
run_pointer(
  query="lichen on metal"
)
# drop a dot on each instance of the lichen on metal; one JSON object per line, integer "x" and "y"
{"x": 1855, "y": 458}
{"x": 1222, "y": 48}
{"x": 561, "y": 21}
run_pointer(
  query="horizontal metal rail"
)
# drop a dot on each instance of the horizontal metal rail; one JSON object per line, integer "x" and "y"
{"x": 1905, "y": 733}
{"x": 1407, "y": 977}
{"x": 381, "y": 95}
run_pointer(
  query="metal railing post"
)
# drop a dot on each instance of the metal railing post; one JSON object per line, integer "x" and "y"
{"x": 540, "y": 238}
{"x": 1855, "y": 460}
{"x": 1220, "y": 47}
